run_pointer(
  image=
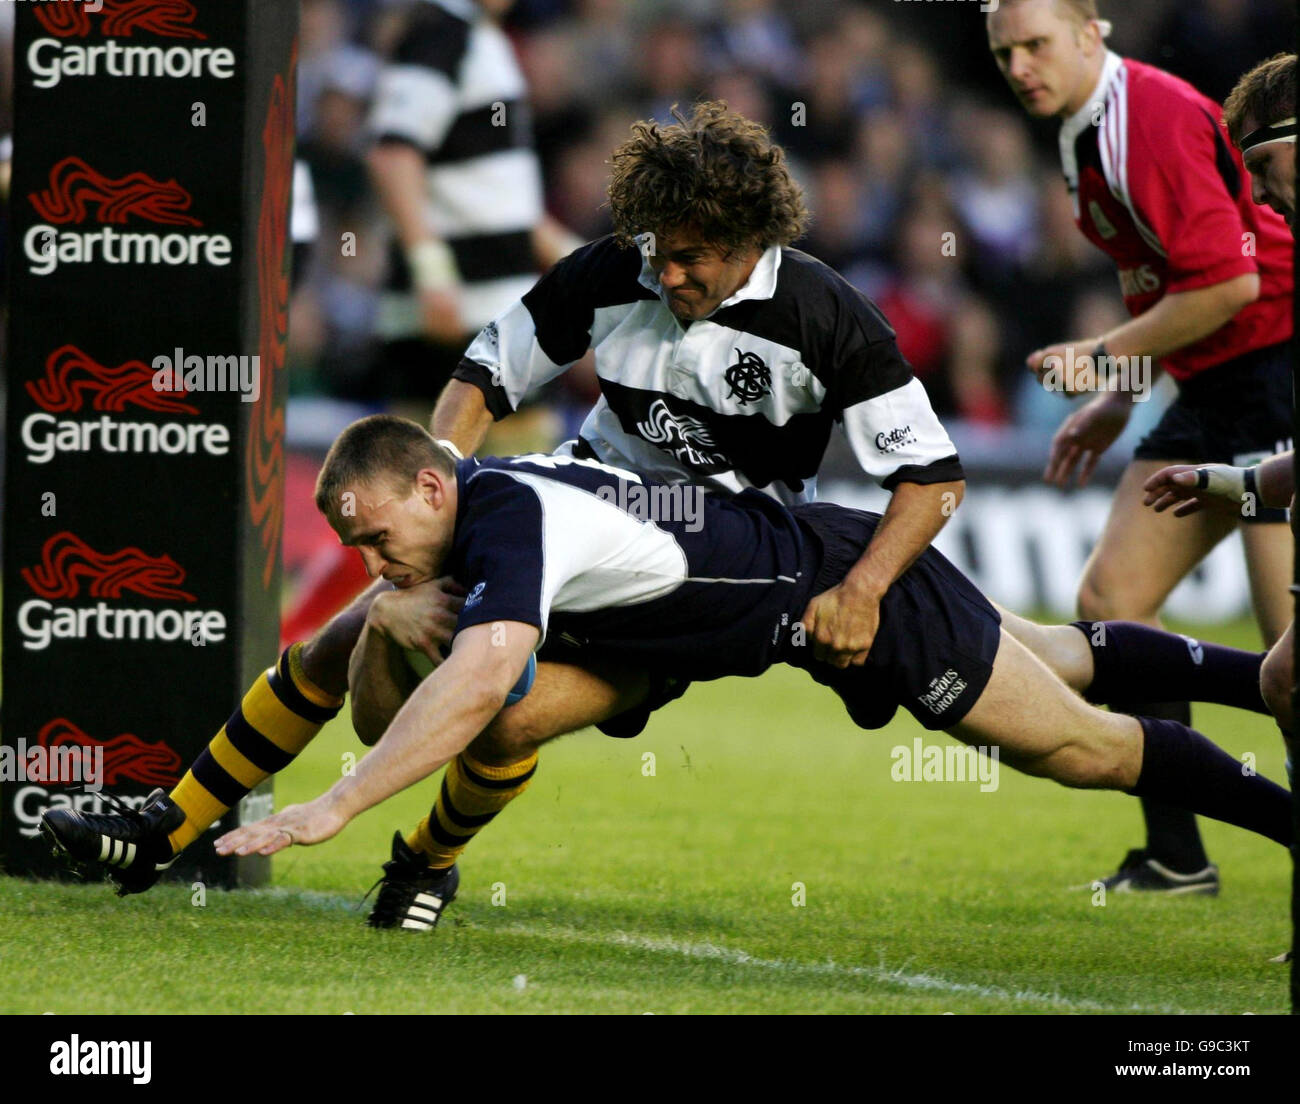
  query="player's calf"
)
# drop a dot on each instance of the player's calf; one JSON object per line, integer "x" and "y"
{"x": 1043, "y": 728}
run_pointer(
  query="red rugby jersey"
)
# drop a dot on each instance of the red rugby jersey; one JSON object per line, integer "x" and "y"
{"x": 1160, "y": 189}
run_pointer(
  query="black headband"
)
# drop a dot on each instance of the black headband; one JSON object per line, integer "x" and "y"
{"x": 1278, "y": 132}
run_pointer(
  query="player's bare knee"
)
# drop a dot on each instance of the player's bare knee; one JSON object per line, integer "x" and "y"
{"x": 1082, "y": 768}
{"x": 513, "y": 734}
{"x": 1275, "y": 687}
{"x": 1104, "y": 598}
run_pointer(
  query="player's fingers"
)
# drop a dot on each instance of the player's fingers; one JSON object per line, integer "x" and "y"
{"x": 1065, "y": 460}
{"x": 1089, "y": 466}
{"x": 1190, "y": 506}
{"x": 860, "y": 659}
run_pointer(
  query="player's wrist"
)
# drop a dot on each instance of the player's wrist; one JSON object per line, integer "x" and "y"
{"x": 433, "y": 266}
{"x": 1226, "y": 481}
{"x": 377, "y": 614}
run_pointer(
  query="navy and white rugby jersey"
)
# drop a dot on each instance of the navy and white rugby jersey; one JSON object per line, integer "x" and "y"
{"x": 454, "y": 91}
{"x": 743, "y": 398}
{"x": 566, "y": 545}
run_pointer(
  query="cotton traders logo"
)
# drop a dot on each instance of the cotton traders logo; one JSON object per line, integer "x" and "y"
{"x": 70, "y": 566}
{"x": 749, "y": 379}
{"x": 74, "y": 381}
{"x": 75, "y": 188}
{"x": 688, "y": 439}
{"x": 53, "y": 59}
{"x": 895, "y": 439}
{"x": 475, "y": 596}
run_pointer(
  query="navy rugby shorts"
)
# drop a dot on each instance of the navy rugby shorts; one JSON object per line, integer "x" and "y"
{"x": 938, "y": 635}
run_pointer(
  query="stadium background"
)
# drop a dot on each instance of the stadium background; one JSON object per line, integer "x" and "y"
{"x": 626, "y": 899}
{"x": 909, "y": 134}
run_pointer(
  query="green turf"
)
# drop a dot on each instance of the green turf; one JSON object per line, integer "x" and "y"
{"x": 673, "y": 893}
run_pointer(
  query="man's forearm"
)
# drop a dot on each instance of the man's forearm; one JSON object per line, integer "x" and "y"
{"x": 915, "y": 514}
{"x": 461, "y": 416}
{"x": 399, "y": 175}
{"x": 437, "y": 722}
{"x": 1181, "y": 319}
{"x": 441, "y": 717}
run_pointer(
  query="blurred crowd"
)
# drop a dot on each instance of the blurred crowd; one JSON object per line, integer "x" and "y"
{"x": 930, "y": 190}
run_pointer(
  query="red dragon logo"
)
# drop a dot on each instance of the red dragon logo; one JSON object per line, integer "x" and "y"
{"x": 72, "y": 379}
{"x": 67, "y": 562}
{"x": 127, "y": 758}
{"x": 265, "y": 456}
{"x": 166, "y": 18}
{"x": 74, "y": 186}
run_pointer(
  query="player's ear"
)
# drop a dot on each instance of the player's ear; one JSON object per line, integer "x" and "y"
{"x": 1090, "y": 37}
{"x": 430, "y": 484}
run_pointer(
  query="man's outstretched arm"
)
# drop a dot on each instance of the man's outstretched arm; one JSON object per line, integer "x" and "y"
{"x": 1190, "y": 487}
{"x": 448, "y": 709}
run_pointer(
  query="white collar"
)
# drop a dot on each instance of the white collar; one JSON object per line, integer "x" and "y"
{"x": 760, "y": 285}
{"x": 1077, "y": 123}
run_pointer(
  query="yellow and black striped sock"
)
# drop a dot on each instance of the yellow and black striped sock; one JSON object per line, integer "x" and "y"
{"x": 278, "y": 717}
{"x": 472, "y": 794}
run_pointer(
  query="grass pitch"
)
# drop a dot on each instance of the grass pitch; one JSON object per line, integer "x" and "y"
{"x": 616, "y": 891}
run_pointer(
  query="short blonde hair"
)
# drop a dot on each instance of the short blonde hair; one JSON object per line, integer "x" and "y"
{"x": 1080, "y": 12}
{"x": 380, "y": 447}
{"x": 1266, "y": 94}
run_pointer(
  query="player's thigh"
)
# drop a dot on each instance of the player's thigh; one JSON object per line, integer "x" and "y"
{"x": 564, "y": 698}
{"x": 1270, "y": 550}
{"x": 1277, "y": 676}
{"x": 1043, "y": 728}
{"x": 1142, "y": 555}
{"x": 1063, "y": 648}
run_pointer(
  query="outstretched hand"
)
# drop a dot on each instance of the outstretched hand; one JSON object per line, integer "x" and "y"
{"x": 314, "y": 822}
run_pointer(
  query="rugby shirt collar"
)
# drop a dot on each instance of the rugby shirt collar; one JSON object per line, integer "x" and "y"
{"x": 760, "y": 285}
{"x": 1077, "y": 123}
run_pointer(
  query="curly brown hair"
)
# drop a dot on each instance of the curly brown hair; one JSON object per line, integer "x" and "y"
{"x": 716, "y": 173}
{"x": 1266, "y": 94}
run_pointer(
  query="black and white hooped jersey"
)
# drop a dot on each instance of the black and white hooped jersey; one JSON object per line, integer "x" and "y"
{"x": 454, "y": 90}
{"x": 743, "y": 398}
{"x": 713, "y": 586}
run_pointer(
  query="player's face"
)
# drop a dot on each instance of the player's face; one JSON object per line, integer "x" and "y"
{"x": 1044, "y": 55}
{"x": 401, "y": 536}
{"x": 1272, "y": 174}
{"x": 697, "y": 277}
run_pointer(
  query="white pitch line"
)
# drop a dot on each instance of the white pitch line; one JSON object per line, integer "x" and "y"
{"x": 884, "y": 974}
{"x": 730, "y": 956}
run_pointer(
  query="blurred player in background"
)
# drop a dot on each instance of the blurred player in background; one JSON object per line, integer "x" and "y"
{"x": 453, "y": 165}
{"x": 1260, "y": 115}
{"x": 1206, "y": 276}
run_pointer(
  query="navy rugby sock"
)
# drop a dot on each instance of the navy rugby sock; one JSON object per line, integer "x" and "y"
{"x": 1134, "y": 663}
{"x": 1181, "y": 766}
